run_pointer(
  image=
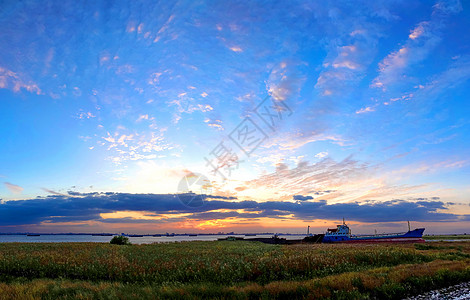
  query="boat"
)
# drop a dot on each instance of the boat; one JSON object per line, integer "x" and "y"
{"x": 230, "y": 238}
{"x": 342, "y": 234}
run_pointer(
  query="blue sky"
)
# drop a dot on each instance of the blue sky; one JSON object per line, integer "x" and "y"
{"x": 118, "y": 102}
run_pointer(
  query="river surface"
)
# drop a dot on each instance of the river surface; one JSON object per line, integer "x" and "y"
{"x": 56, "y": 238}
{"x": 74, "y": 238}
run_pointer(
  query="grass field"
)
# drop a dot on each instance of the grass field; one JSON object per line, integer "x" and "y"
{"x": 232, "y": 270}
{"x": 447, "y": 237}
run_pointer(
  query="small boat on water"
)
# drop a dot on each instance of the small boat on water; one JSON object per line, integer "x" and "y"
{"x": 342, "y": 234}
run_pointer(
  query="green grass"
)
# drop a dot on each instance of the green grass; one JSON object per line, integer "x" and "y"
{"x": 447, "y": 237}
{"x": 227, "y": 270}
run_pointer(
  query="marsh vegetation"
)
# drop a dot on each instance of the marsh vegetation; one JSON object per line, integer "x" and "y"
{"x": 233, "y": 270}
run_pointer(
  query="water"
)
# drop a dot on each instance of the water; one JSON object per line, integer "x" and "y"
{"x": 134, "y": 240}
{"x": 455, "y": 292}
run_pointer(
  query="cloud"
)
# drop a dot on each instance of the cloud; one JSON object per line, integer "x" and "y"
{"x": 236, "y": 49}
{"x": 350, "y": 47}
{"x": 285, "y": 80}
{"x": 217, "y": 124}
{"x": 418, "y": 31}
{"x": 85, "y": 115}
{"x": 13, "y": 188}
{"x": 90, "y": 206}
{"x": 294, "y": 140}
{"x": 457, "y": 74}
{"x": 142, "y": 117}
{"x": 365, "y": 110}
{"x": 54, "y": 192}
{"x": 13, "y": 81}
{"x": 447, "y": 7}
{"x": 423, "y": 38}
{"x": 321, "y": 154}
{"x": 186, "y": 104}
{"x": 324, "y": 174}
{"x": 302, "y": 198}
{"x": 345, "y": 65}
{"x": 125, "y": 145}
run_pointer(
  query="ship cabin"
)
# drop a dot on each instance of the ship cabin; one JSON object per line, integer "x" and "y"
{"x": 338, "y": 234}
{"x": 340, "y": 230}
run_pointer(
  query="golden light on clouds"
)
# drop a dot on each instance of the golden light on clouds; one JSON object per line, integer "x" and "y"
{"x": 139, "y": 215}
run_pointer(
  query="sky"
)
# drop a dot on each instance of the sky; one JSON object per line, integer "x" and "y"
{"x": 245, "y": 116}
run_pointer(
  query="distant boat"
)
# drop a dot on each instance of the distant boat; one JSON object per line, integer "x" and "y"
{"x": 342, "y": 234}
{"x": 230, "y": 238}
{"x": 32, "y": 234}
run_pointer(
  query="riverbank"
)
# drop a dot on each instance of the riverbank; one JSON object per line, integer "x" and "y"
{"x": 227, "y": 269}
{"x": 456, "y": 292}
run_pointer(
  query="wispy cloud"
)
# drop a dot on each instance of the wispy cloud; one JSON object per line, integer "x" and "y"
{"x": 217, "y": 124}
{"x": 85, "y": 115}
{"x": 423, "y": 38}
{"x": 305, "y": 177}
{"x": 186, "y": 104}
{"x": 456, "y": 74}
{"x": 365, "y": 110}
{"x": 54, "y": 192}
{"x": 236, "y": 49}
{"x": 142, "y": 117}
{"x": 124, "y": 145}
{"x": 285, "y": 80}
{"x": 13, "y": 188}
{"x": 346, "y": 65}
{"x": 296, "y": 140}
{"x": 351, "y": 48}
{"x": 13, "y": 81}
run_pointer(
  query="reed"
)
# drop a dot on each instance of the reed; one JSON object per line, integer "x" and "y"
{"x": 228, "y": 270}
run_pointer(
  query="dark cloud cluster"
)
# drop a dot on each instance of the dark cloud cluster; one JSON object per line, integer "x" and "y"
{"x": 302, "y": 198}
{"x": 89, "y": 206}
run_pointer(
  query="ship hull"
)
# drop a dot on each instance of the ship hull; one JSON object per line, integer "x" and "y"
{"x": 384, "y": 240}
{"x": 413, "y": 236}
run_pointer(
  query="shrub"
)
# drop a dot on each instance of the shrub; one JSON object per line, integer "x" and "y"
{"x": 120, "y": 240}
